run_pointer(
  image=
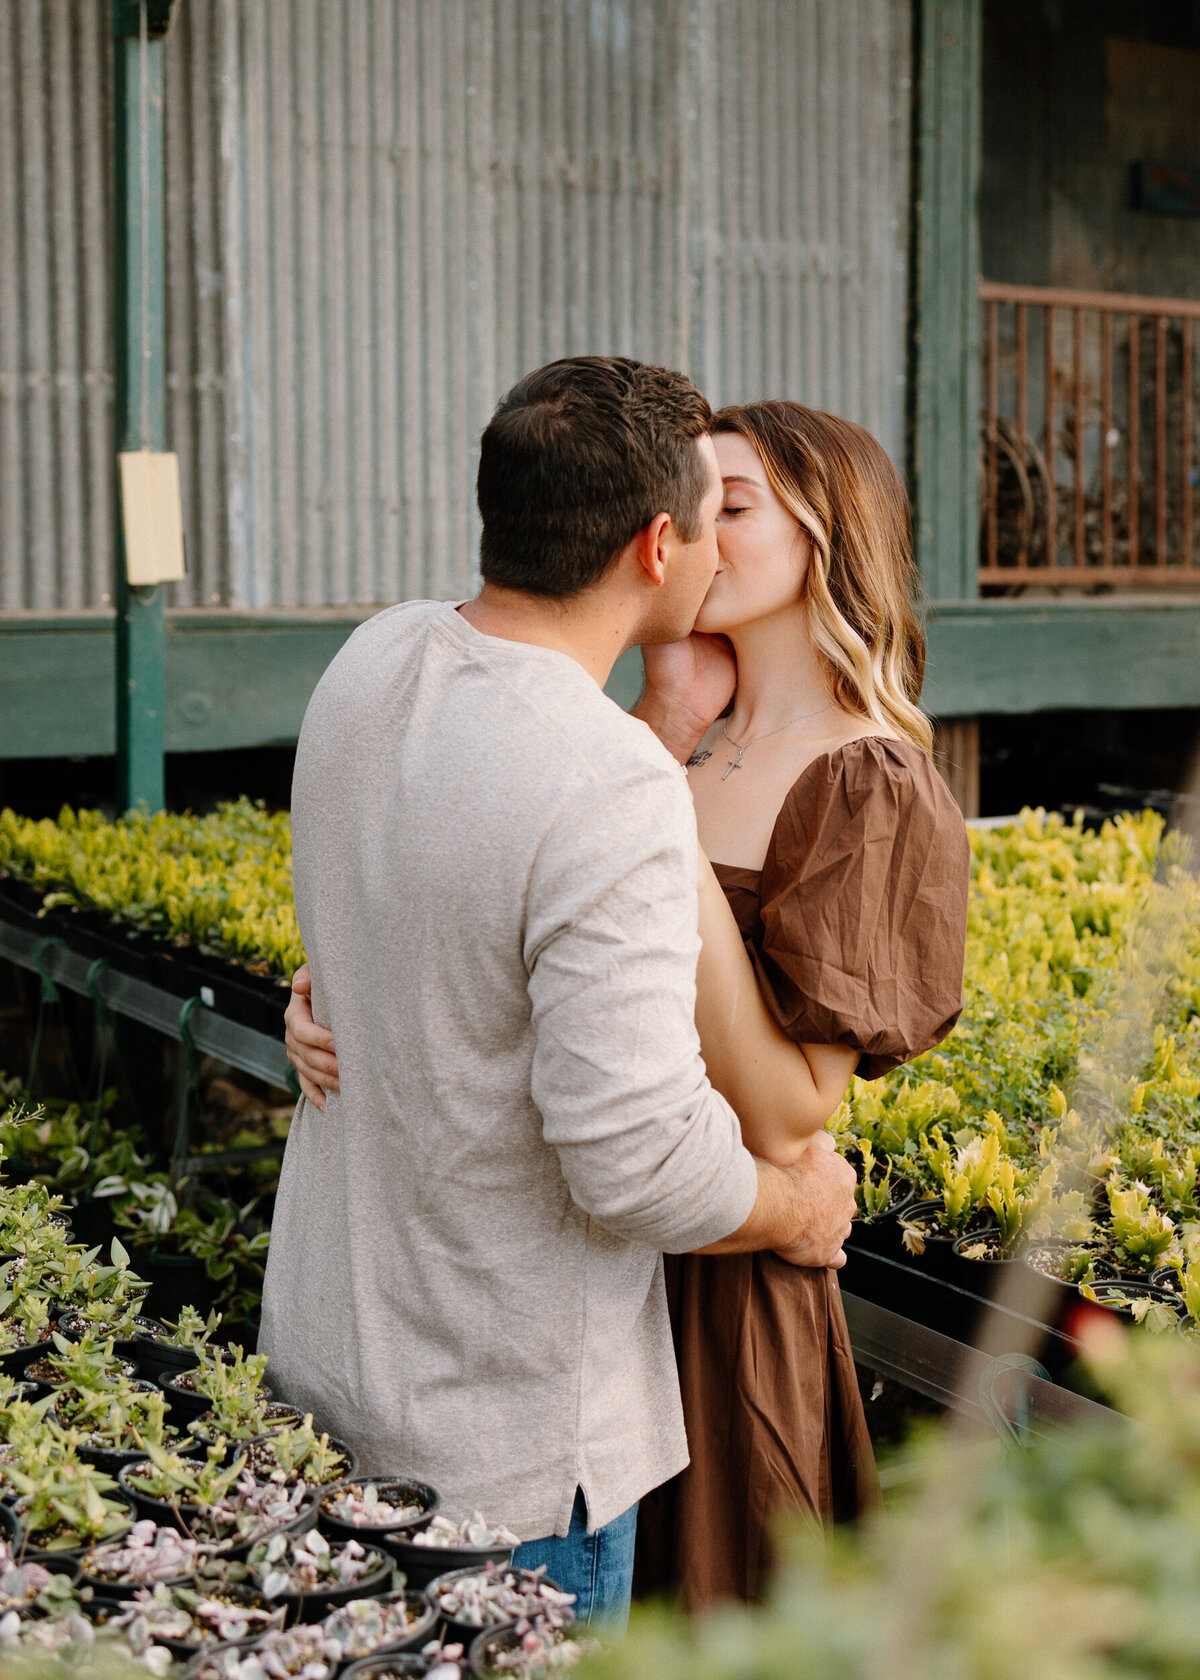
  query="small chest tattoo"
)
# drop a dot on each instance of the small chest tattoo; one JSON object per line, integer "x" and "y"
{"x": 698, "y": 758}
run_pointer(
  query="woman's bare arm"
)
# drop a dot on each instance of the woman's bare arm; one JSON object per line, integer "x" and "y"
{"x": 781, "y": 1092}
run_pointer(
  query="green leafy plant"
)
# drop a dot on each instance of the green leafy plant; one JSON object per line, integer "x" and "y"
{"x": 1142, "y": 1233}
{"x": 232, "y": 1382}
{"x": 297, "y": 1454}
{"x": 187, "y": 1481}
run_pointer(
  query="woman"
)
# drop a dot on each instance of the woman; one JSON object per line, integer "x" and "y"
{"x": 832, "y": 925}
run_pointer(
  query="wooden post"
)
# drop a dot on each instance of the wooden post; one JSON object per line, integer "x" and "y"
{"x": 139, "y": 27}
{"x": 944, "y": 382}
{"x": 956, "y": 754}
{"x": 944, "y": 376}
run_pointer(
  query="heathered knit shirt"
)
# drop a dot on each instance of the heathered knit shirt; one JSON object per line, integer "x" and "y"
{"x": 495, "y": 876}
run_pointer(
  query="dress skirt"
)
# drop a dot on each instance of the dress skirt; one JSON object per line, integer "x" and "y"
{"x": 775, "y": 1423}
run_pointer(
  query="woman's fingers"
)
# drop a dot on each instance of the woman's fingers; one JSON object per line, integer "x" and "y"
{"x": 313, "y": 1092}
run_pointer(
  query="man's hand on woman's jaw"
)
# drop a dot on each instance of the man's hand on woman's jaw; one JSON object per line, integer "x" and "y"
{"x": 309, "y": 1047}
{"x": 688, "y": 686}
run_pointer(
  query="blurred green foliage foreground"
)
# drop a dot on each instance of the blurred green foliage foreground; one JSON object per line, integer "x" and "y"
{"x": 1072, "y": 1558}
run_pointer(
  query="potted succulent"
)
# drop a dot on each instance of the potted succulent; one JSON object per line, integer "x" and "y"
{"x": 310, "y": 1575}
{"x": 434, "y": 1662}
{"x": 149, "y": 1555}
{"x": 380, "y": 1505}
{"x": 171, "y": 1488}
{"x": 534, "y": 1653}
{"x": 297, "y": 1453}
{"x": 185, "y": 1618}
{"x": 403, "y": 1620}
{"x": 1136, "y": 1300}
{"x": 471, "y": 1599}
{"x": 92, "y": 1361}
{"x": 881, "y": 1197}
{"x": 303, "y": 1652}
{"x": 66, "y": 1642}
{"x": 218, "y": 1503}
{"x": 443, "y": 1546}
{"x": 64, "y": 1505}
{"x": 227, "y": 1383}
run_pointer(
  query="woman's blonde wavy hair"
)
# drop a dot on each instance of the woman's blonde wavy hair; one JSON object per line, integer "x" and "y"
{"x": 862, "y": 584}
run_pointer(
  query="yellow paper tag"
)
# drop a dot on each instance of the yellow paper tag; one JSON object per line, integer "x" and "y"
{"x": 151, "y": 516}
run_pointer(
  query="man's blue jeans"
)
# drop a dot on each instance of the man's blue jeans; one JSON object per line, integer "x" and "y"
{"x": 597, "y": 1568}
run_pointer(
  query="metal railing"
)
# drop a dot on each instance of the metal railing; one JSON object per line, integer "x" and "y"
{"x": 1089, "y": 439}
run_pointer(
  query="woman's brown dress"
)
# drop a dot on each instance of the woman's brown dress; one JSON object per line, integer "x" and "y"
{"x": 855, "y": 926}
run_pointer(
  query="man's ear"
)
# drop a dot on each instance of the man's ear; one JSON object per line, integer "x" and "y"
{"x": 650, "y": 552}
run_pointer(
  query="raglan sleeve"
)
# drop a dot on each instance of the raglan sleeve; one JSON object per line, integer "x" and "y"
{"x": 646, "y": 1146}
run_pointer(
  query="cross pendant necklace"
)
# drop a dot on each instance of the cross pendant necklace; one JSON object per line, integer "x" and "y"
{"x": 743, "y": 746}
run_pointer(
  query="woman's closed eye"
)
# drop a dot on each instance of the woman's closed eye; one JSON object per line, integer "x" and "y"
{"x": 737, "y": 507}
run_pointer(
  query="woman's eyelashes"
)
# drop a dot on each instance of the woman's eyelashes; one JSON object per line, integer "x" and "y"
{"x": 738, "y": 508}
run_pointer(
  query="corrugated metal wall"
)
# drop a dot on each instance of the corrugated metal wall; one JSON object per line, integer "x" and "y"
{"x": 380, "y": 212}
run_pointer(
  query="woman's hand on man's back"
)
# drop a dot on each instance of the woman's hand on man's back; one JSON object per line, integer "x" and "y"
{"x": 309, "y": 1046}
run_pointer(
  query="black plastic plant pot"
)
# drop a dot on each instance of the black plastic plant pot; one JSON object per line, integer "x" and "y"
{"x": 455, "y": 1632}
{"x": 987, "y": 1267}
{"x": 146, "y": 1330}
{"x": 159, "y": 1360}
{"x": 186, "y": 1404}
{"x": 103, "y": 1587}
{"x": 348, "y": 1454}
{"x": 186, "y": 1401}
{"x": 421, "y": 1630}
{"x": 1168, "y": 1278}
{"x": 104, "y": 1607}
{"x": 423, "y": 1564}
{"x": 399, "y": 1490}
{"x": 313, "y": 1606}
{"x": 496, "y": 1642}
{"x": 1039, "y": 1259}
{"x": 280, "y": 1416}
{"x": 939, "y": 1257}
{"x": 881, "y": 1233}
{"x": 217, "y": 1662}
{"x": 13, "y": 1364}
{"x": 166, "y": 1515}
{"x": 185, "y": 1517}
{"x": 113, "y": 1460}
{"x": 1118, "y": 1294}
{"x": 33, "y": 1553}
{"x": 391, "y": 1665}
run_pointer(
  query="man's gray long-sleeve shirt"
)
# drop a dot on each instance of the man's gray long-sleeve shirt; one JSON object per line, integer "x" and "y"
{"x": 495, "y": 876}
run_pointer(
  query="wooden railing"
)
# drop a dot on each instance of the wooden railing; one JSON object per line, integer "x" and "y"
{"x": 1089, "y": 439}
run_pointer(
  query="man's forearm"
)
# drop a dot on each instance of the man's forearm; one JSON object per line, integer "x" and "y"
{"x": 776, "y": 1219}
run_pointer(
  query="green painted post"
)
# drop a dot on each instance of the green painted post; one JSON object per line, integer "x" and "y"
{"x": 138, "y": 28}
{"x": 944, "y": 385}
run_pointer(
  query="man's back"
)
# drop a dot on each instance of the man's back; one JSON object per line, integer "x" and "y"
{"x": 495, "y": 879}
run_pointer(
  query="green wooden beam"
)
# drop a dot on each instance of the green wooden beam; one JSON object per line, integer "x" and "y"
{"x": 1098, "y": 653}
{"x": 944, "y": 390}
{"x": 139, "y": 302}
{"x": 237, "y": 679}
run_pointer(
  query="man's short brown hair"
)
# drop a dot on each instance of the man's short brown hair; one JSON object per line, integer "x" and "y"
{"x": 578, "y": 458}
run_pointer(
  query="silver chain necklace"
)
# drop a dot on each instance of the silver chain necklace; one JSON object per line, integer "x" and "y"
{"x": 743, "y": 747}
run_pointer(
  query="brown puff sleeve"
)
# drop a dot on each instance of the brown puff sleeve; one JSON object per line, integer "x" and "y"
{"x": 864, "y": 905}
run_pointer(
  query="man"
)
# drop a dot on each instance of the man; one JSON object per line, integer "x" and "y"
{"x": 495, "y": 873}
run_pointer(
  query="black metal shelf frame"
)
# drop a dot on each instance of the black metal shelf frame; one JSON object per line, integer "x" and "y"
{"x": 216, "y": 1035}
